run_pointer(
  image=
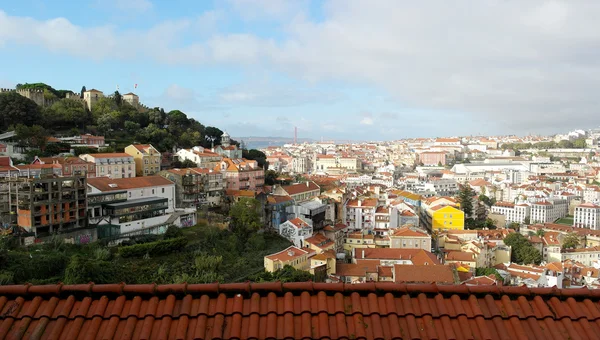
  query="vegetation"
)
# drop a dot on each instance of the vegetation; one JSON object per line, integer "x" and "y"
{"x": 120, "y": 122}
{"x": 285, "y": 274}
{"x": 570, "y": 241}
{"x": 522, "y": 250}
{"x": 201, "y": 254}
{"x": 465, "y": 199}
{"x": 487, "y": 272}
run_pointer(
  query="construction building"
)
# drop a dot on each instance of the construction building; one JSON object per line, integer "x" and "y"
{"x": 44, "y": 204}
{"x": 196, "y": 187}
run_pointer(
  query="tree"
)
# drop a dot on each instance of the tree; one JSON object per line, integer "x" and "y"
{"x": 66, "y": 113}
{"x": 212, "y": 135}
{"x": 285, "y": 274}
{"x": 570, "y": 241}
{"x": 540, "y": 232}
{"x": 245, "y": 217}
{"x": 579, "y": 143}
{"x": 522, "y": 251}
{"x": 256, "y": 155}
{"x": 527, "y": 220}
{"x": 16, "y": 109}
{"x": 83, "y": 90}
{"x": 118, "y": 98}
{"x": 271, "y": 177}
{"x": 32, "y": 136}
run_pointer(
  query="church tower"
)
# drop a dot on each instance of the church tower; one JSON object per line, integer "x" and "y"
{"x": 225, "y": 140}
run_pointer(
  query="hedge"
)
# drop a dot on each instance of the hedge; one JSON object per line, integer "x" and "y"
{"x": 154, "y": 248}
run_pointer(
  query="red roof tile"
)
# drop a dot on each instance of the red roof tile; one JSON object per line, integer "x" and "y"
{"x": 299, "y": 188}
{"x": 302, "y": 310}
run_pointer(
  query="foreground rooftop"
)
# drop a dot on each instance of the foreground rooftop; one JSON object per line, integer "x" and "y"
{"x": 302, "y": 310}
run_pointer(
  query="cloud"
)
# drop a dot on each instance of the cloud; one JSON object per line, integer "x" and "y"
{"x": 521, "y": 65}
{"x": 268, "y": 94}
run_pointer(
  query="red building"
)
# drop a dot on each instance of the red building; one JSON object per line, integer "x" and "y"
{"x": 431, "y": 158}
{"x": 70, "y": 165}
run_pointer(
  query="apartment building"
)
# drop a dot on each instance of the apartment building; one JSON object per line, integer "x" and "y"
{"x": 587, "y": 256}
{"x": 292, "y": 256}
{"x": 432, "y": 158}
{"x": 548, "y": 210}
{"x": 147, "y": 159}
{"x": 112, "y": 165}
{"x": 204, "y": 158}
{"x": 47, "y": 204}
{"x": 410, "y": 238}
{"x": 296, "y": 230}
{"x": 149, "y": 204}
{"x": 360, "y": 213}
{"x": 196, "y": 187}
{"x": 587, "y": 215}
{"x": 512, "y": 212}
{"x": 241, "y": 174}
{"x": 70, "y": 165}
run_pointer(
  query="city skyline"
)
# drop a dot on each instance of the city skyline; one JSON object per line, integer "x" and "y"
{"x": 263, "y": 67}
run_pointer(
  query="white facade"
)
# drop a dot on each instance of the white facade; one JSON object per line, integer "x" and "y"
{"x": 203, "y": 158}
{"x": 360, "y": 214}
{"x": 300, "y": 165}
{"x": 592, "y": 195}
{"x": 512, "y": 212}
{"x": 587, "y": 215}
{"x": 296, "y": 230}
{"x": 587, "y": 256}
{"x": 548, "y": 211}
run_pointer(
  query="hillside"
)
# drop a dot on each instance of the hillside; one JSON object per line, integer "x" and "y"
{"x": 119, "y": 121}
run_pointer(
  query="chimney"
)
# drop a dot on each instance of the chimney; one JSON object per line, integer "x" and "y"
{"x": 290, "y": 253}
{"x": 363, "y": 254}
{"x": 360, "y": 203}
{"x": 307, "y": 185}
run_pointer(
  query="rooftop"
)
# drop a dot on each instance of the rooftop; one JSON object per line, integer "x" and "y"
{"x": 110, "y": 184}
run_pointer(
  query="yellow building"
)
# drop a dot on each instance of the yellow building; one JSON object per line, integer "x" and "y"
{"x": 147, "y": 159}
{"x": 358, "y": 240}
{"x": 326, "y": 258}
{"x": 447, "y": 218}
{"x": 292, "y": 256}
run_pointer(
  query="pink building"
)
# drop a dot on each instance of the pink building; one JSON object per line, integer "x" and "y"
{"x": 432, "y": 158}
{"x": 70, "y": 165}
{"x": 241, "y": 174}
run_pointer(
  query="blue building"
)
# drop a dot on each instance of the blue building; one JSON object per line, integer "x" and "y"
{"x": 276, "y": 209}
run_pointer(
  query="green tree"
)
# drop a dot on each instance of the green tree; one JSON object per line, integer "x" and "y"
{"x": 212, "y": 135}
{"x": 83, "y": 90}
{"x": 565, "y": 144}
{"x": 245, "y": 217}
{"x": 465, "y": 199}
{"x": 66, "y": 113}
{"x": 570, "y": 241}
{"x": 271, "y": 177}
{"x": 527, "y": 220}
{"x": 579, "y": 143}
{"x": 522, "y": 251}
{"x": 118, "y": 98}
{"x": 256, "y": 155}
{"x": 16, "y": 109}
{"x": 487, "y": 272}
{"x": 85, "y": 269}
{"x": 32, "y": 136}
{"x": 285, "y": 274}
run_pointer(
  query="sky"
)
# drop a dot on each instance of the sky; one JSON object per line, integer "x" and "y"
{"x": 335, "y": 69}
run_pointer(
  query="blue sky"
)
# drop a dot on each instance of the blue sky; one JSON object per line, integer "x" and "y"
{"x": 337, "y": 69}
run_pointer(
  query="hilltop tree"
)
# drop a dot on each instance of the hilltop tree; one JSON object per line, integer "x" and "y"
{"x": 118, "y": 98}
{"x": 256, "y": 155}
{"x": 83, "y": 89}
{"x": 66, "y": 113}
{"x": 212, "y": 135}
{"x": 33, "y": 136}
{"x": 16, "y": 109}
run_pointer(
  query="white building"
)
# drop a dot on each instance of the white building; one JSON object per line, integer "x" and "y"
{"x": 135, "y": 203}
{"x": 512, "y": 212}
{"x": 587, "y": 256}
{"x": 112, "y": 165}
{"x": 204, "y": 158}
{"x": 360, "y": 213}
{"x": 587, "y": 215}
{"x": 548, "y": 210}
{"x": 296, "y": 230}
{"x": 300, "y": 165}
{"x": 591, "y": 194}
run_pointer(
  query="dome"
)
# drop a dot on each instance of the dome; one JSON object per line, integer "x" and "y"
{"x": 225, "y": 134}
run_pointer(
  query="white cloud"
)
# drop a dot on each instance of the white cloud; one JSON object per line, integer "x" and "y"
{"x": 525, "y": 65}
{"x": 366, "y": 121}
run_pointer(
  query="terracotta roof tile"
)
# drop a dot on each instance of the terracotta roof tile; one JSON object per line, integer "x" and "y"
{"x": 302, "y": 310}
{"x": 295, "y": 189}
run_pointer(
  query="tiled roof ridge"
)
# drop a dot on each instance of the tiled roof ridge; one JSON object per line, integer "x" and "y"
{"x": 279, "y": 288}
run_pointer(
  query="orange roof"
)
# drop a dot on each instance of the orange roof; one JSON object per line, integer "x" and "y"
{"x": 299, "y": 223}
{"x": 461, "y": 256}
{"x": 110, "y": 155}
{"x": 407, "y": 232}
{"x": 276, "y": 199}
{"x": 299, "y": 188}
{"x": 320, "y": 241}
{"x": 290, "y": 253}
{"x": 366, "y": 203}
{"x": 423, "y": 274}
{"x": 111, "y": 184}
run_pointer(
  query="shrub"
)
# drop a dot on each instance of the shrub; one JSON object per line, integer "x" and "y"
{"x": 153, "y": 248}
{"x": 84, "y": 270}
{"x": 173, "y": 232}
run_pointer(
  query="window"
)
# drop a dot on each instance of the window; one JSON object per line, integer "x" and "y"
{"x": 163, "y": 190}
{"x": 130, "y": 194}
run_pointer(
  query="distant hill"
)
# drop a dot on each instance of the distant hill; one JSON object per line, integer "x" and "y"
{"x": 254, "y": 142}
